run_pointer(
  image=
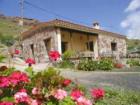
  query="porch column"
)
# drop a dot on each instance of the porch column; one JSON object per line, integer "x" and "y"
{"x": 58, "y": 32}
{"x": 96, "y": 53}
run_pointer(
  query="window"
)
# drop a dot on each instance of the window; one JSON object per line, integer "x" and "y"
{"x": 32, "y": 48}
{"x": 90, "y": 46}
{"x": 113, "y": 46}
{"x": 64, "y": 46}
{"x": 47, "y": 43}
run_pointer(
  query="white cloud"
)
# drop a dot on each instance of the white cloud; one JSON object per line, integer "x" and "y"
{"x": 134, "y": 5}
{"x": 132, "y": 22}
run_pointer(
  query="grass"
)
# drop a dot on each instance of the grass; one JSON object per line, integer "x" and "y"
{"x": 120, "y": 97}
{"x": 8, "y": 27}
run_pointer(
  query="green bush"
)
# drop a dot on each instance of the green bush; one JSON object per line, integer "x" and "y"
{"x": 65, "y": 64}
{"x": 133, "y": 62}
{"x": 88, "y": 65}
{"x": 68, "y": 54}
{"x": 105, "y": 64}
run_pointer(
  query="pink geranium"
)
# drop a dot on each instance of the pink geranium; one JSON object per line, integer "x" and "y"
{"x": 83, "y": 101}
{"x": 75, "y": 94}
{"x": 30, "y": 61}
{"x": 4, "y": 81}
{"x": 6, "y": 103}
{"x": 66, "y": 82}
{"x": 18, "y": 77}
{"x": 21, "y": 97}
{"x": 60, "y": 94}
{"x": 97, "y": 93}
{"x": 54, "y": 55}
{"x": 35, "y": 91}
{"x": 17, "y": 52}
{"x": 35, "y": 102}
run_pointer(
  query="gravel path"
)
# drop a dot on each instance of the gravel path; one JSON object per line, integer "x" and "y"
{"x": 125, "y": 80}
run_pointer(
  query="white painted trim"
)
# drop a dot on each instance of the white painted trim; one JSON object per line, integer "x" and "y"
{"x": 59, "y": 41}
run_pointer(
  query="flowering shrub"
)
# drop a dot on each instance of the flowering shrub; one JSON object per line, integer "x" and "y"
{"x": 21, "y": 97}
{"x": 45, "y": 88}
{"x": 97, "y": 93}
{"x": 66, "y": 82}
{"x": 17, "y": 52}
{"x": 30, "y": 61}
{"x": 60, "y": 94}
{"x": 6, "y": 103}
{"x": 54, "y": 55}
{"x": 75, "y": 94}
{"x": 83, "y": 101}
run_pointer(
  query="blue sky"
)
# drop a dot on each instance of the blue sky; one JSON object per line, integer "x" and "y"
{"x": 109, "y": 13}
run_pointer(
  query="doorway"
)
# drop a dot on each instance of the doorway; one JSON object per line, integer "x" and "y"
{"x": 47, "y": 43}
{"x": 64, "y": 46}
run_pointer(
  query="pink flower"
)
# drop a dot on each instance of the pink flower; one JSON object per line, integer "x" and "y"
{"x": 60, "y": 94}
{"x": 30, "y": 61}
{"x": 97, "y": 93}
{"x": 22, "y": 90}
{"x": 21, "y": 97}
{"x": 75, "y": 94}
{"x": 83, "y": 101}
{"x": 17, "y": 52}
{"x": 4, "y": 81}
{"x": 17, "y": 77}
{"x": 6, "y": 103}
{"x": 66, "y": 82}
{"x": 54, "y": 55}
{"x": 35, "y": 102}
{"x": 35, "y": 91}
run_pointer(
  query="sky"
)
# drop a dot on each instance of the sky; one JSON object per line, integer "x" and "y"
{"x": 121, "y": 16}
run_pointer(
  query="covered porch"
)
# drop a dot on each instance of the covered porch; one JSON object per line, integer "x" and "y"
{"x": 83, "y": 44}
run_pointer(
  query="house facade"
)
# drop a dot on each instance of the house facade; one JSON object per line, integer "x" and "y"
{"x": 63, "y": 36}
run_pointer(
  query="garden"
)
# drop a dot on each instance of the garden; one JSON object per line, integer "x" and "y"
{"x": 48, "y": 87}
{"x": 102, "y": 64}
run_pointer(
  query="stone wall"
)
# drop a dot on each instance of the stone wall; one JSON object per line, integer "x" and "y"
{"x": 104, "y": 42}
{"x": 37, "y": 40}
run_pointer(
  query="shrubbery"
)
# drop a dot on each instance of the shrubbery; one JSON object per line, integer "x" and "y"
{"x": 47, "y": 87}
{"x": 133, "y": 62}
{"x": 105, "y": 64}
{"x": 66, "y": 62}
{"x": 90, "y": 65}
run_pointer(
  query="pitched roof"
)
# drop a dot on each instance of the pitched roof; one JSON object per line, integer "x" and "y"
{"x": 67, "y": 25}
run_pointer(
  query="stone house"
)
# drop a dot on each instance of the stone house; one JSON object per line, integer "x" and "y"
{"x": 63, "y": 35}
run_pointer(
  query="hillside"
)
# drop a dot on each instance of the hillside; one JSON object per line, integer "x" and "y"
{"x": 10, "y": 29}
{"x": 133, "y": 43}
{"x": 10, "y": 25}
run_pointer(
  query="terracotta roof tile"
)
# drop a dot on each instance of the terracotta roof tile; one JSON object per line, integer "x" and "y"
{"x": 67, "y": 25}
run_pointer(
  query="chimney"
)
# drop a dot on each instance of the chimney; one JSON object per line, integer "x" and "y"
{"x": 96, "y": 25}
